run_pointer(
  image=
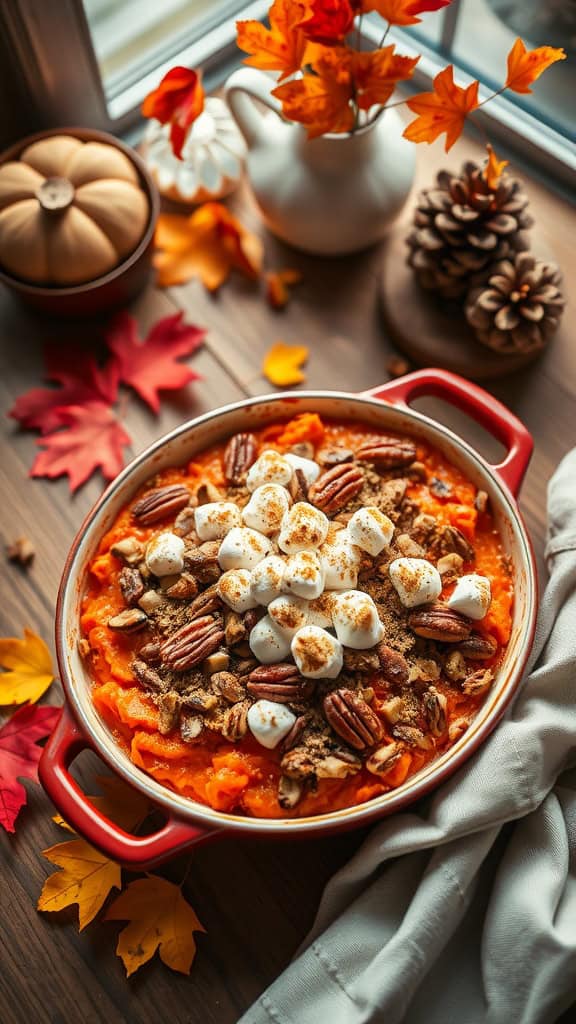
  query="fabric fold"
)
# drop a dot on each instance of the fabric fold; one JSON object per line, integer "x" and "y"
{"x": 464, "y": 908}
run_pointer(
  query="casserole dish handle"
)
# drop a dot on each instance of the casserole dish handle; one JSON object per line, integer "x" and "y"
{"x": 477, "y": 403}
{"x": 141, "y": 852}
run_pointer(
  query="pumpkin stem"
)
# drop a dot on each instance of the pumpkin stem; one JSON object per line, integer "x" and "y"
{"x": 55, "y": 194}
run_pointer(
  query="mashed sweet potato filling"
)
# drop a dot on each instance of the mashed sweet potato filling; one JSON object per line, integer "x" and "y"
{"x": 242, "y": 777}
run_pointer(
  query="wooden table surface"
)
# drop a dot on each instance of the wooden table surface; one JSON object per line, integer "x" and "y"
{"x": 255, "y": 899}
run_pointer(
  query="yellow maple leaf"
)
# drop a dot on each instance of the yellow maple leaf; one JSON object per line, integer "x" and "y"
{"x": 87, "y": 877}
{"x": 160, "y": 919}
{"x": 282, "y": 364}
{"x": 207, "y": 244}
{"x": 30, "y": 669}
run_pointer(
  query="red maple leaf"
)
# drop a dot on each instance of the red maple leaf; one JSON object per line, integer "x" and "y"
{"x": 81, "y": 380}
{"x": 152, "y": 365}
{"x": 19, "y": 756}
{"x": 178, "y": 100}
{"x": 92, "y": 439}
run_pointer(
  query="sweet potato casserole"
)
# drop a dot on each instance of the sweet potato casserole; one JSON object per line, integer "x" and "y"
{"x": 299, "y": 619}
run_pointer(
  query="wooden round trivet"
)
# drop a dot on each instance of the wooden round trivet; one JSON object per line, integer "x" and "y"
{"x": 429, "y": 334}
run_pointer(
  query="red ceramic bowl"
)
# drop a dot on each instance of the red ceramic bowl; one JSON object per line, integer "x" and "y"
{"x": 386, "y": 408}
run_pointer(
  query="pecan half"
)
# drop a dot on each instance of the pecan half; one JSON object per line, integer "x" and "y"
{"x": 334, "y": 456}
{"x": 150, "y": 652}
{"x": 439, "y": 622}
{"x": 192, "y": 643}
{"x": 478, "y": 647}
{"x": 282, "y": 693}
{"x": 239, "y": 454}
{"x": 352, "y": 719}
{"x": 159, "y": 503}
{"x": 394, "y": 666}
{"x": 295, "y": 733}
{"x": 435, "y": 704}
{"x": 387, "y": 452}
{"x": 336, "y": 487}
{"x": 280, "y": 683}
{"x": 235, "y": 723}
{"x": 128, "y": 621}
{"x": 131, "y": 585}
{"x": 206, "y": 602}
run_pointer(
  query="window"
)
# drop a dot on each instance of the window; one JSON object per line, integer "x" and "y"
{"x": 93, "y": 61}
{"x": 476, "y": 36}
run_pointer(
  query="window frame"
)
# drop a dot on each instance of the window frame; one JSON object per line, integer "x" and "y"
{"x": 35, "y": 34}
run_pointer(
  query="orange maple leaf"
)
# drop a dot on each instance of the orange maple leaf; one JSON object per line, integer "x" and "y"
{"x": 277, "y": 282}
{"x": 207, "y": 244}
{"x": 321, "y": 101}
{"x": 324, "y": 101}
{"x": 179, "y": 100}
{"x": 375, "y": 74}
{"x": 442, "y": 110}
{"x": 525, "y": 66}
{"x": 494, "y": 168}
{"x": 279, "y": 48}
{"x": 403, "y": 12}
{"x": 160, "y": 919}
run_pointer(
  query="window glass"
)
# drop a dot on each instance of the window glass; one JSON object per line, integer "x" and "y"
{"x": 132, "y": 37}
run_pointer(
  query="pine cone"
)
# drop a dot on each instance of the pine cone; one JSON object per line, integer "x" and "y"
{"x": 520, "y": 306}
{"x": 462, "y": 226}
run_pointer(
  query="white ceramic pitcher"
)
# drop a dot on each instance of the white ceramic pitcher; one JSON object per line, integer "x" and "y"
{"x": 330, "y": 195}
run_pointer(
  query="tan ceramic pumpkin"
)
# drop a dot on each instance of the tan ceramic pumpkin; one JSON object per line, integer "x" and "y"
{"x": 69, "y": 211}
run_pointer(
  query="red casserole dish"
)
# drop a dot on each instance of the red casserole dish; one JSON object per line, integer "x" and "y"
{"x": 386, "y": 407}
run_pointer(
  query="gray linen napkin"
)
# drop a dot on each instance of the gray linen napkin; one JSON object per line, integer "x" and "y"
{"x": 465, "y": 911}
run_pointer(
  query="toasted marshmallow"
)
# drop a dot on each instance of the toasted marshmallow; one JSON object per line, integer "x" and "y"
{"x": 320, "y": 611}
{"x": 242, "y": 548}
{"x": 370, "y": 529}
{"x": 234, "y": 587}
{"x": 269, "y": 722}
{"x": 309, "y": 468}
{"x": 415, "y": 580}
{"x": 304, "y": 528}
{"x": 340, "y": 560}
{"x": 471, "y": 596}
{"x": 165, "y": 554}
{"x": 289, "y": 613}
{"x": 304, "y": 575}
{"x": 267, "y": 579}
{"x": 266, "y": 508}
{"x": 267, "y": 642}
{"x": 213, "y": 520}
{"x": 356, "y": 620}
{"x": 317, "y": 654}
{"x": 270, "y": 468}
